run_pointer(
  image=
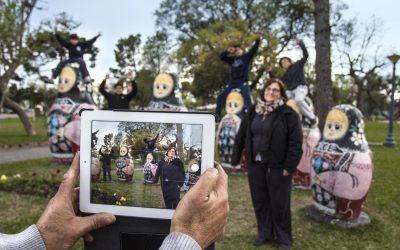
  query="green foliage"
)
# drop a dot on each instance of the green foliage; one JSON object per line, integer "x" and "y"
{"x": 144, "y": 81}
{"x": 35, "y": 94}
{"x": 155, "y": 52}
{"x": 126, "y": 54}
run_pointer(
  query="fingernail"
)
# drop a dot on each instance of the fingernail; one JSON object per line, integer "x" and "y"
{"x": 213, "y": 171}
{"x": 111, "y": 218}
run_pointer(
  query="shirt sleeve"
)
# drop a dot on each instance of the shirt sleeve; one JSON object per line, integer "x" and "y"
{"x": 30, "y": 238}
{"x": 305, "y": 53}
{"x": 62, "y": 41}
{"x": 179, "y": 241}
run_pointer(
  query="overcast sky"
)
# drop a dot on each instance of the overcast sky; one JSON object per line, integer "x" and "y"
{"x": 120, "y": 18}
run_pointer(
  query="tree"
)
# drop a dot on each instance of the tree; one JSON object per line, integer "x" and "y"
{"x": 155, "y": 52}
{"x": 206, "y": 28}
{"x": 323, "y": 64}
{"x": 361, "y": 58}
{"x": 126, "y": 54}
{"x": 14, "y": 52}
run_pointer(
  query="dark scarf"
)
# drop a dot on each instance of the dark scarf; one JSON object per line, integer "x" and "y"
{"x": 168, "y": 160}
{"x": 265, "y": 108}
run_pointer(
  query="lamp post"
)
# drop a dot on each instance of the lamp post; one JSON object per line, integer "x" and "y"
{"x": 390, "y": 141}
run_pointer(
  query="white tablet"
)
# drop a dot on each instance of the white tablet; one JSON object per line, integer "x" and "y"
{"x": 140, "y": 164}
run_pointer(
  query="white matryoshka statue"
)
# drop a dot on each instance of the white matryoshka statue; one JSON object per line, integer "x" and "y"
{"x": 311, "y": 136}
{"x": 63, "y": 122}
{"x": 228, "y": 128}
{"x": 149, "y": 169}
{"x": 342, "y": 167}
{"x": 124, "y": 165}
{"x": 166, "y": 94}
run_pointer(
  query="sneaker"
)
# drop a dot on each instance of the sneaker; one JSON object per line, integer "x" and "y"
{"x": 258, "y": 242}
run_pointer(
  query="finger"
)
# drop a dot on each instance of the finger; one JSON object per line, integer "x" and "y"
{"x": 222, "y": 182}
{"x": 205, "y": 184}
{"x": 96, "y": 221}
{"x": 68, "y": 184}
{"x": 88, "y": 237}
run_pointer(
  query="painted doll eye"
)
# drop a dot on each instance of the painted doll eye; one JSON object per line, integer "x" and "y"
{"x": 338, "y": 126}
{"x": 164, "y": 86}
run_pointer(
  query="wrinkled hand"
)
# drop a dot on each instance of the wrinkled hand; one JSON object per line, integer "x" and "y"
{"x": 59, "y": 225}
{"x": 203, "y": 212}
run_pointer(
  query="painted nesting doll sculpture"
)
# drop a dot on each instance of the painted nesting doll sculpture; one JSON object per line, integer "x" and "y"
{"x": 228, "y": 128}
{"x": 311, "y": 136}
{"x": 192, "y": 175}
{"x": 166, "y": 94}
{"x": 149, "y": 169}
{"x": 72, "y": 96}
{"x": 342, "y": 165}
{"x": 124, "y": 165}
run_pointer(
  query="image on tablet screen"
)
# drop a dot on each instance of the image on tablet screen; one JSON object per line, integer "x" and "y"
{"x": 143, "y": 164}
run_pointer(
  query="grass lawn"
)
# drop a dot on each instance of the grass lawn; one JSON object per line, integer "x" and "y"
{"x": 12, "y": 132}
{"x": 383, "y": 203}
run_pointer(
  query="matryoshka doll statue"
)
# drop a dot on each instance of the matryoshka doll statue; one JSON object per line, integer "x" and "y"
{"x": 342, "y": 168}
{"x": 192, "y": 175}
{"x": 227, "y": 130}
{"x": 166, "y": 94}
{"x": 124, "y": 165}
{"x": 311, "y": 136}
{"x": 149, "y": 169}
{"x": 63, "y": 121}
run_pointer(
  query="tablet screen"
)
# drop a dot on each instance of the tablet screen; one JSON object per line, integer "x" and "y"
{"x": 143, "y": 164}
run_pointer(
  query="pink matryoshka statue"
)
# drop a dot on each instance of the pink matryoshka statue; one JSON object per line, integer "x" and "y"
{"x": 342, "y": 169}
{"x": 311, "y": 136}
{"x": 124, "y": 165}
{"x": 227, "y": 130}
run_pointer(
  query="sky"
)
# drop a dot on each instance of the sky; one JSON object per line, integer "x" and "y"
{"x": 120, "y": 18}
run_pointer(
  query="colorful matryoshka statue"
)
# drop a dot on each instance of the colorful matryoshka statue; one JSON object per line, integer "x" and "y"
{"x": 149, "y": 169}
{"x": 166, "y": 94}
{"x": 228, "y": 128}
{"x": 342, "y": 167}
{"x": 63, "y": 122}
{"x": 192, "y": 175}
{"x": 311, "y": 136}
{"x": 124, "y": 165}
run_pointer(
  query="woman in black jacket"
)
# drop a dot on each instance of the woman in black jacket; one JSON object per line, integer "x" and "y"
{"x": 272, "y": 137}
{"x": 172, "y": 175}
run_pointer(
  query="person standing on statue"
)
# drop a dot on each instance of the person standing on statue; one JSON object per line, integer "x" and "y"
{"x": 76, "y": 49}
{"x": 295, "y": 81}
{"x": 118, "y": 100}
{"x": 240, "y": 69}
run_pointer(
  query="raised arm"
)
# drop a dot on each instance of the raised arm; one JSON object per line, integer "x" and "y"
{"x": 224, "y": 56}
{"x": 62, "y": 41}
{"x": 103, "y": 91}
{"x": 134, "y": 90}
{"x": 305, "y": 52}
{"x": 89, "y": 43}
{"x": 253, "y": 50}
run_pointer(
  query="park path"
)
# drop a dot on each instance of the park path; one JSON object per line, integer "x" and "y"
{"x": 13, "y": 155}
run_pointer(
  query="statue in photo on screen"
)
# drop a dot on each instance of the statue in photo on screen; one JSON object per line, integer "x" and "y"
{"x": 167, "y": 94}
{"x": 149, "y": 169}
{"x": 311, "y": 136}
{"x": 192, "y": 174}
{"x": 228, "y": 128}
{"x": 124, "y": 165}
{"x": 63, "y": 121}
{"x": 342, "y": 169}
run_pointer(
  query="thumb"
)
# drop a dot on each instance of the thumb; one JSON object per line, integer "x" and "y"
{"x": 205, "y": 184}
{"x": 96, "y": 221}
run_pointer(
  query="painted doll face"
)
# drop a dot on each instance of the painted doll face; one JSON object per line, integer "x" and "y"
{"x": 234, "y": 103}
{"x": 336, "y": 125}
{"x": 149, "y": 158}
{"x": 163, "y": 86}
{"x": 67, "y": 80}
{"x": 123, "y": 151}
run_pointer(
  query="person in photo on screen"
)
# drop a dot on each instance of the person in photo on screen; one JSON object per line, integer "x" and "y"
{"x": 171, "y": 173}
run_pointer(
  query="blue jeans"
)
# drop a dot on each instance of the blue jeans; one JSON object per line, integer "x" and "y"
{"x": 244, "y": 90}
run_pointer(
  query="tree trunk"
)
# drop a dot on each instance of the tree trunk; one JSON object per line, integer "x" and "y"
{"x": 323, "y": 64}
{"x": 8, "y": 103}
